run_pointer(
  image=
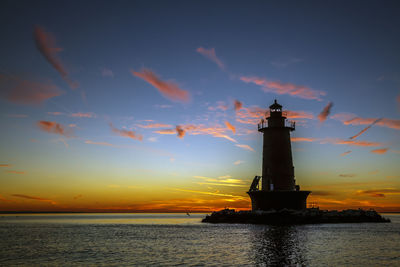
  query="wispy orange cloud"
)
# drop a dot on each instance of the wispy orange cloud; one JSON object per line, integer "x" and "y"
{"x": 154, "y": 125}
{"x": 53, "y": 127}
{"x": 168, "y": 89}
{"x": 46, "y": 44}
{"x": 15, "y": 172}
{"x": 351, "y": 119}
{"x": 35, "y": 198}
{"x": 126, "y": 133}
{"x": 350, "y": 142}
{"x": 280, "y": 88}
{"x": 303, "y": 139}
{"x": 220, "y": 106}
{"x": 181, "y": 130}
{"x": 238, "y": 162}
{"x": 20, "y": 91}
{"x": 380, "y": 151}
{"x": 5, "y": 165}
{"x": 166, "y": 131}
{"x": 379, "y": 192}
{"x": 78, "y": 196}
{"x": 345, "y": 153}
{"x": 210, "y": 54}
{"x": 325, "y": 112}
{"x": 247, "y": 147}
{"x": 290, "y": 114}
{"x": 230, "y": 127}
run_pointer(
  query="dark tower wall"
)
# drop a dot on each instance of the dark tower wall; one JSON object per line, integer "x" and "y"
{"x": 277, "y": 167}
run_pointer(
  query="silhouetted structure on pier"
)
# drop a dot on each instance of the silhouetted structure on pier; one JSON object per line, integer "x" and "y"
{"x": 279, "y": 189}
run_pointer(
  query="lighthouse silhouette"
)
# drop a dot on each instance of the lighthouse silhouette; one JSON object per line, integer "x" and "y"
{"x": 278, "y": 186}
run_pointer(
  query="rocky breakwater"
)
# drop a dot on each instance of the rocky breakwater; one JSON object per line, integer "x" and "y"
{"x": 285, "y": 216}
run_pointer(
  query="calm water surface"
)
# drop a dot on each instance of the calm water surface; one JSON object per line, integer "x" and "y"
{"x": 177, "y": 239}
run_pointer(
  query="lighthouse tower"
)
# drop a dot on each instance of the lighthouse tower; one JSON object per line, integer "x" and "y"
{"x": 279, "y": 189}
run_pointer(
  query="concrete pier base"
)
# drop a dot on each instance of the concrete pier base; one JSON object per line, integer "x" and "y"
{"x": 277, "y": 200}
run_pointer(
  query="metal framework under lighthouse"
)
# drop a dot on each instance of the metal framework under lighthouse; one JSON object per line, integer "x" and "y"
{"x": 278, "y": 186}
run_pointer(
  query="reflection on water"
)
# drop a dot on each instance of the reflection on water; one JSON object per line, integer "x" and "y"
{"x": 177, "y": 239}
{"x": 278, "y": 246}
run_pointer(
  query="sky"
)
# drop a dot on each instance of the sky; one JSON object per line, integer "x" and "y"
{"x": 152, "y": 106}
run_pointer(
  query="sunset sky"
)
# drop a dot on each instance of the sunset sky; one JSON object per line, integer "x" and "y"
{"x": 152, "y": 106}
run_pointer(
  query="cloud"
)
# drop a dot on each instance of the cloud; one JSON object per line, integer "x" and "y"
{"x": 35, "y": 198}
{"x": 352, "y": 119}
{"x": 380, "y": 151}
{"x": 348, "y": 175}
{"x": 45, "y": 43}
{"x": 83, "y": 115}
{"x": 247, "y": 147}
{"x": 168, "y": 89}
{"x": 238, "y": 162}
{"x": 180, "y": 131}
{"x": 280, "y": 88}
{"x": 98, "y": 143}
{"x": 154, "y": 125}
{"x": 78, "y": 196}
{"x": 107, "y": 73}
{"x": 220, "y": 106}
{"x": 53, "y": 127}
{"x": 303, "y": 139}
{"x": 210, "y": 54}
{"x": 222, "y": 180}
{"x": 290, "y": 114}
{"x": 253, "y": 115}
{"x": 20, "y": 91}
{"x": 237, "y": 105}
{"x": 126, "y": 133}
{"x": 166, "y": 131}
{"x": 325, "y": 112}
{"x": 345, "y": 153}
{"x": 5, "y": 165}
{"x": 379, "y": 192}
{"x": 350, "y": 142}
{"x": 230, "y": 127}
{"x": 210, "y": 193}
{"x": 57, "y": 113}
{"x": 365, "y": 129}
{"x": 15, "y": 172}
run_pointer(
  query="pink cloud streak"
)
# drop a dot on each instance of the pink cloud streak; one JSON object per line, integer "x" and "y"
{"x": 351, "y": 119}
{"x": 210, "y": 54}
{"x": 280, "y": 88}
{"x": 21, "y": 91}
{"x": 126, "y": 133}
{"x": 168, "y": 89}
{"x": 46, "y": 44}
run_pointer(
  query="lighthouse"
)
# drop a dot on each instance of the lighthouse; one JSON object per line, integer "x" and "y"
{"x": 278, "y": 185}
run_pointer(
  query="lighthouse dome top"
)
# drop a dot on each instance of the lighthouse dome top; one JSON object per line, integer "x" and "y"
{"x": 275, "y": 106}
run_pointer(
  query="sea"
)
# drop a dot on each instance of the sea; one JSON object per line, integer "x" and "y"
{"x": 180, "y": 239}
